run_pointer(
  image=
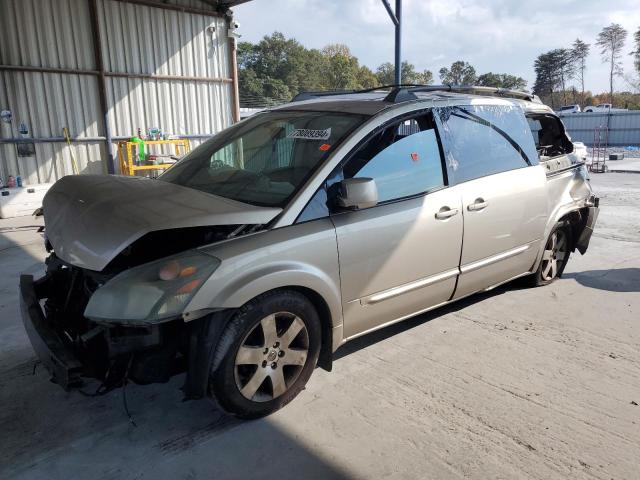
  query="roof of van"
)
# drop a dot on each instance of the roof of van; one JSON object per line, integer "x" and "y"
{"x": 376, "y": 101}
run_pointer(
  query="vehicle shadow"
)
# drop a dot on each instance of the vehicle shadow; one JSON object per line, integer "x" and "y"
{"x": 49, "y": 433}
{"x": 614, "y": 280}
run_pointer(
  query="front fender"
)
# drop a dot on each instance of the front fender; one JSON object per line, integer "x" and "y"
{"x": 277, "y": 275}
{"x": 303, "y": 255}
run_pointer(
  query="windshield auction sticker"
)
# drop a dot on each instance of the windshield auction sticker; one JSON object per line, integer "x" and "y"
{"x": 308, "y": 134}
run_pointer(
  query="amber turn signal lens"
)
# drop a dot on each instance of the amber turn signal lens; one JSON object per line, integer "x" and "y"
{"x": 187, "y": 271}
{"x": 189, "y": 287}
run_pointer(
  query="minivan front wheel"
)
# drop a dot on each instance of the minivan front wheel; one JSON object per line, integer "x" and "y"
{"x": 268, "y": 352}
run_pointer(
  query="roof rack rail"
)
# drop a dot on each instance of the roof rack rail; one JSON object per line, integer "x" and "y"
{"x": 406, "y": 92}
{"x": 329, "y": 93}
{"x": 400, "y": 94}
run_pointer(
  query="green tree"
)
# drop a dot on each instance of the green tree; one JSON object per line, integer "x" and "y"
{"x": 553, "y": 71}
{"x": 339, "y": 71}
{"x": 580, "y": 52}
{"x": 276, "y": 68}
{"x": 460, "y": 73}
{"x": 611, "y": 41}
{"x": 366, "y": 78}
{"x": 636, "y": 52}
{"x": 547, "y": 77}
{"x": 502, "y": 80}
{"x": 342, "y": 70}
{"x": 425, "y": 78}
{"x": 386, "y": 74}
{"x": 566, "y": 68}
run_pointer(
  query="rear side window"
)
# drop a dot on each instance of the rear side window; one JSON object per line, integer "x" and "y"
{"x": 485, "y": 140}
{"x": 404, "y": 160}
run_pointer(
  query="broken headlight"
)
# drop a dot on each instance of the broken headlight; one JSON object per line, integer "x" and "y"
{"x": 152, "y": 292}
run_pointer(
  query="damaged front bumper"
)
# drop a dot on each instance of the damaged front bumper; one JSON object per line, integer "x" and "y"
{"x": 108, "y": 354}
{"x": 590, "y": 217}
{"x": 58, "y": 358}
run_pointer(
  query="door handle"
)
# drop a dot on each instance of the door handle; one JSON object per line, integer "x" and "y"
{"x": 479, "y": 204}
{"x": 446, "y": 212}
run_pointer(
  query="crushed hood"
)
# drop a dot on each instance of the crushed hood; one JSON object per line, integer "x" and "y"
{"x": 90, "y": 219}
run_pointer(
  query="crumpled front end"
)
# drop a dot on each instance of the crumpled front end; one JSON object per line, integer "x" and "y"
{"x": 74, "y": 348}
{"x": 123, "y": 265}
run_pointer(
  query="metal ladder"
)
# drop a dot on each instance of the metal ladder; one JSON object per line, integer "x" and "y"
{"x": 599, "y": 150}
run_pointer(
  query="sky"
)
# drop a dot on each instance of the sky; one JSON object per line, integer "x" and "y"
{"x": 501, "y": 36}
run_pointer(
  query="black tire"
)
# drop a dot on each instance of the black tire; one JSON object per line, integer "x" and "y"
{"x": 544, "y": 276}
{"x": 245, "y": 329}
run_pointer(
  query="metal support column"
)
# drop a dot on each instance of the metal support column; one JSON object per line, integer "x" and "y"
{"x": 396, "y": 18}
{"x": 234, "y": 78}
{"x": 102, "y": 83}
{"x": 398, "y": 77}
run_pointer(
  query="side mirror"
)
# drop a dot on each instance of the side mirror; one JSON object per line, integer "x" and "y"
{"x": 357, "y": 193}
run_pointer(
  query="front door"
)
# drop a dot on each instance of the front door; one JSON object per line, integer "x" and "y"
{"x": 492, "y": 160}
{"x": 401, "y": 256}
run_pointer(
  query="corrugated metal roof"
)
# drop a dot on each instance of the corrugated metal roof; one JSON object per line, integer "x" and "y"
{"x": 224, "y": 4}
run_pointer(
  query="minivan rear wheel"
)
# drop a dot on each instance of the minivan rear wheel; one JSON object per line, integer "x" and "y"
{"x": 555, "y": 255}
{"x": 266, "y": 354}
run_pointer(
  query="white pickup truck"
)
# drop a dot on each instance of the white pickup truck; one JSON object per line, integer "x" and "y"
{"x": 603, "y": 108}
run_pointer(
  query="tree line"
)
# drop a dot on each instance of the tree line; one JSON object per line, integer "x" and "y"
{"x": 277, "y": 68}
{"x": 556, "y": 69}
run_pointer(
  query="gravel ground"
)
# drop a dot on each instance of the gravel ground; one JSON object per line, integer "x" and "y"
{"x": 515, "y": 383}
{"x": 627, "y": 153}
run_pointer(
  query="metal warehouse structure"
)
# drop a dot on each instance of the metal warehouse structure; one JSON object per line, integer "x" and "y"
{"x": 104, "y": 69}
{"x": 623, "y": 127}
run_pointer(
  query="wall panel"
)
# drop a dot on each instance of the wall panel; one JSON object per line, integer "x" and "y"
{"x": 135, "y": 40}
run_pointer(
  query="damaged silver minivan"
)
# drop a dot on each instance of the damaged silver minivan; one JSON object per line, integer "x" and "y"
{"x": 249, "y": 262}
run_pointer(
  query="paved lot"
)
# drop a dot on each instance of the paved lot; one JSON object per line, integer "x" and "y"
{"x": 516, "y": 383}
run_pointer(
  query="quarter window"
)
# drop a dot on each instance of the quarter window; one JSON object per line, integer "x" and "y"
{"x": 485, "y": 140}
{"x": 549, "y": 135}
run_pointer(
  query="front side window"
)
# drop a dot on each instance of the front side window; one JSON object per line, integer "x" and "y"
{"x": 484, "y": 140}
{"x": 404, "y": 160}
{"x": 265, "y": 160}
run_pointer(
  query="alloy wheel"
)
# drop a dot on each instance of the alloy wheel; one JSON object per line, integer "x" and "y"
{"x": 271, "y": 357}
{"x": 554, "y": 255}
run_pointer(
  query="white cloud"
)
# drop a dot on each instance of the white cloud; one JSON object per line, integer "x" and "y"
{"x": 493, "y": 35}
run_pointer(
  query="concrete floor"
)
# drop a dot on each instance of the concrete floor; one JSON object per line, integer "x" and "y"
{"x": 515, "y": 383}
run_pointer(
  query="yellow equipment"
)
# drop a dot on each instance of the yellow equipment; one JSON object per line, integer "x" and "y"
{"x": 126, "y": 155}
{"x": 65, "y": 132}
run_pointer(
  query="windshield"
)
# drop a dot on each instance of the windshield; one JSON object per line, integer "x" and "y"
{"x": 266, "y": 159}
